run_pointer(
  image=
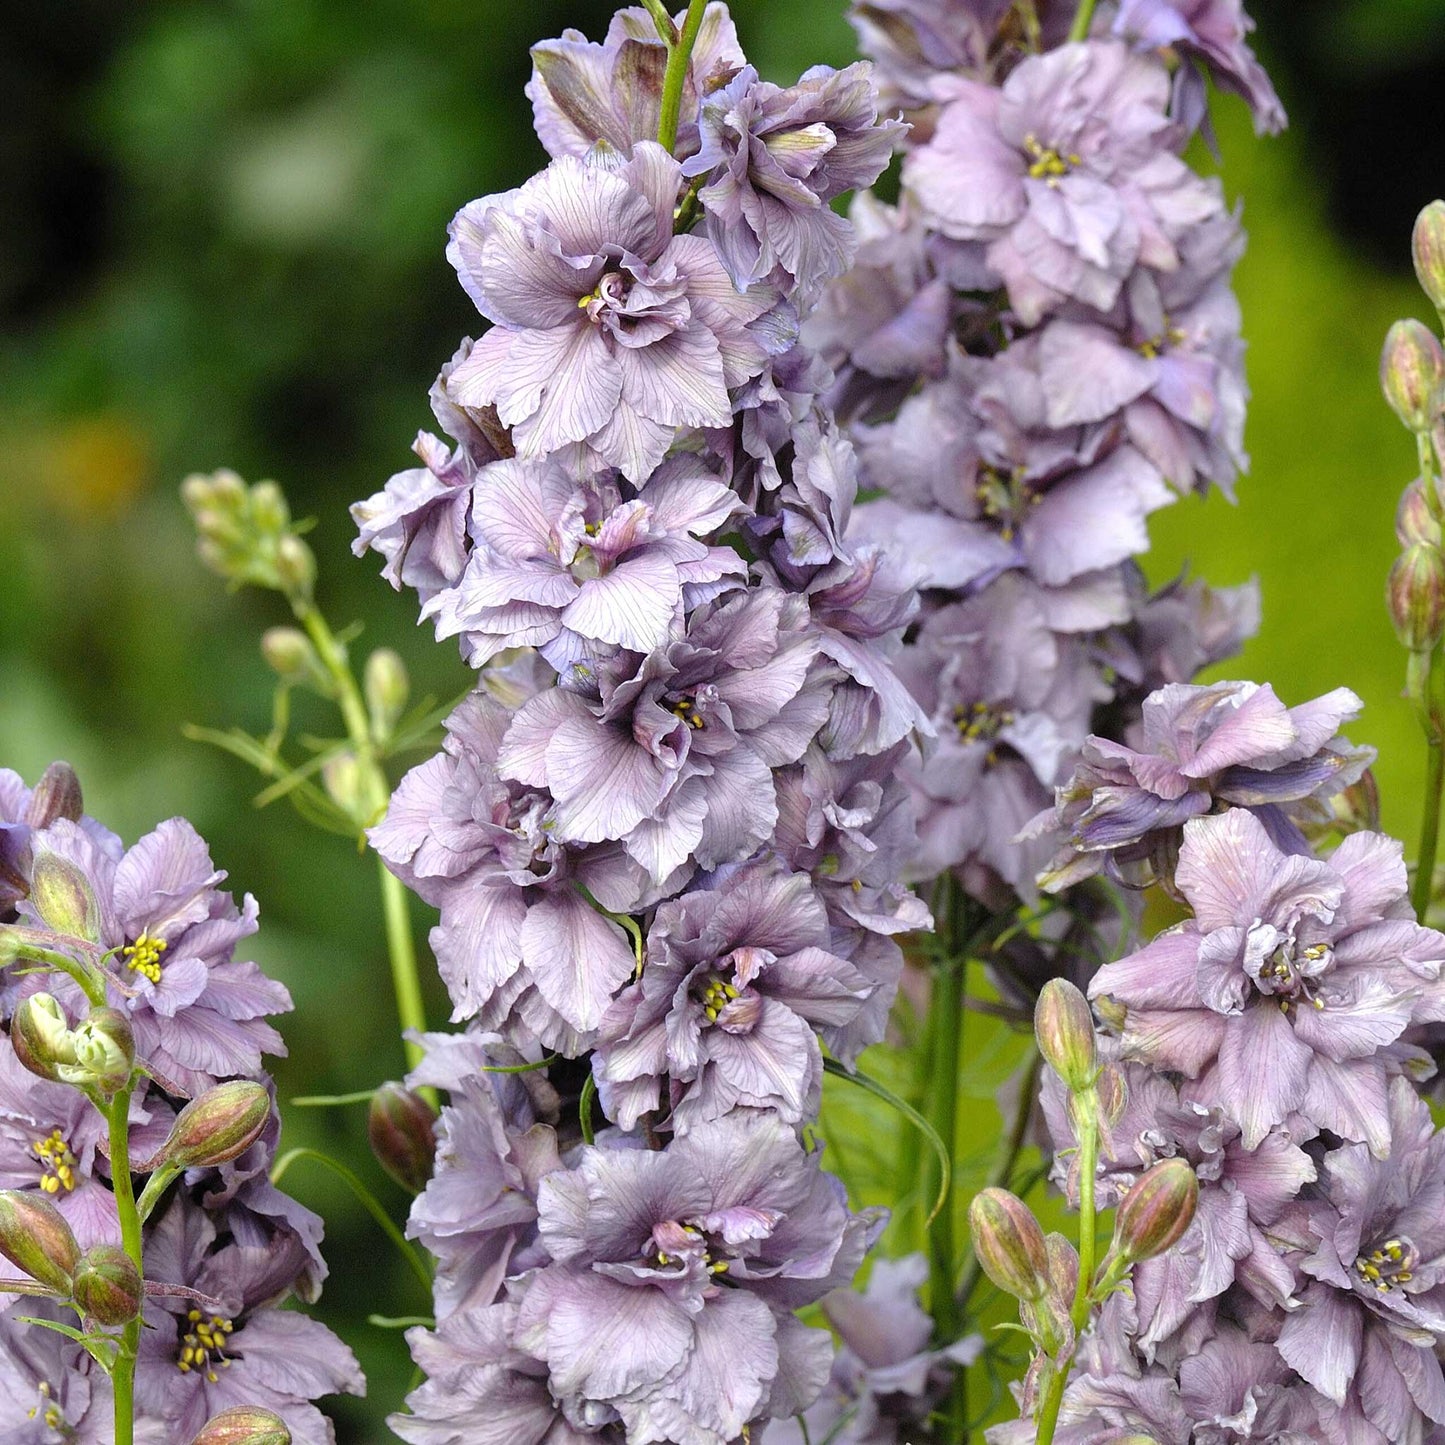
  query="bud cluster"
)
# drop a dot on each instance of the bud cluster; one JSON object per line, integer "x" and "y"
{"x": 247, "y": 535}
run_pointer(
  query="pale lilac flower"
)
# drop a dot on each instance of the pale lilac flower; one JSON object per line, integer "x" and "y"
{"x": 771, "y": 160}
{"x": 1289, "y": 989}
{"x": 885, "y": 1379}
{"x": 674, "y": 752}
{"x": 676, "y": 1273}
{"x": 582, "y": 93}
{"x": 579, "y": 568}
{"x": 514, "y": 925}
{"x": 198, "y": 1013}
{"x": 495, "y": 1141}
{"x": 1068, "y": 172}
{"x": 734, "y": 983}
{"x": 1367, "y": 1330}
{"x": 196, "y": 1361}
{"x": 51, "y": 1393}
{"x": 1212, "y": 34}
{"x": 610, "y": 331}
{"x": 1195, "y": 749}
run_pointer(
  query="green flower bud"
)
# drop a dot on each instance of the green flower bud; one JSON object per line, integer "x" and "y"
{"x": 41, "y": 1035}
{"x": 56, "y": 795}
{"x": 1357, "y": 807}
{"x": 223, "y": 1123}
{"x": 1427, "y": 244}
{"x": 1009, "y": 1243}
{"x": 269, "y": 512}
{"x": 387, "y": 689}
{"x": 295, "y": 565}
{"x": 104, "y": 1049}
{"x": 1415, "y": 596}
{"x": 1414, "y": 521}
{"x": 107, "y": 1285}
{"x": 1412, "y": 366}
{"x": 290, "y": 655}
{"x": 1064, "y": 1028}
{"x": 35, "y": 1238}
{"x": 344, "y": 785}
{"x": 244, "y": 1425}
{"x": 62, "y": 896}
{"x": 1156, "y": 1211}
{"x": 402, "y": 1128}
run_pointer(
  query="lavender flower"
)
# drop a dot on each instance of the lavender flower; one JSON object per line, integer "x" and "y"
{"x": 577, "y": 569}
{"x": 772, "y": 159}
{"x": 1067, "y": 172}
{"x": 611, "y": 331}
{"x": 50, "y": 1391}
{"x": 1211, "y": 33}
{"x": 1290, "y": 988}
{"x": 582, "y": 93}
{"x": 1233, "y": 743}
{"x": 197, "y": 1361}
{"x": 633, "y": 1318}
{"x": 1366, "y": 1330}
{"x": 518, "y": 945}
{"x": 735, "y": 980}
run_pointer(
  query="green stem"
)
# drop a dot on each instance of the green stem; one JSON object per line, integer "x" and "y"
{"x": 675, "y": 76}
{"x": 123, "y": 1375}
{"x": 942, "y": 1246}
{"x": 1430, "y": 824}
{"x": 89, "y": 978}
{"x": 375, "y": 794}
{"x": 1082, "y": 19}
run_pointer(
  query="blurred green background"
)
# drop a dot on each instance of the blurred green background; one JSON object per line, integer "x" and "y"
{"x": 221, "y": 237}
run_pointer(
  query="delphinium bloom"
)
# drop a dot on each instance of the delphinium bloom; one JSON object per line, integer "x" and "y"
{"x": 610, "y": 331}
{"x": 51, "y": 1392}
{"x": 1290, "y": 988}
{"x": 1196, "y": 749}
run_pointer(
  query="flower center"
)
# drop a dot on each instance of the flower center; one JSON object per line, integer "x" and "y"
{"x": 1004, "y": 497}
{"x": 1154, "y": 346}
{"x": 203, "y": 1346}
{"x": 58, "y": 1164}
{"x": 1045, "y": 163}
{"x": 716, "y": 995}
{"x": 609, "y": 294}
{"x": 1292, "y": 974}
{"x": 48, "y": 1412}
{"x": 144, "y": 956}
{"x": 687, "y": 709}
{"x": 982, "y": 722}
{"x": 1393, "y": 1263}
{"x": 681, "y": 1244}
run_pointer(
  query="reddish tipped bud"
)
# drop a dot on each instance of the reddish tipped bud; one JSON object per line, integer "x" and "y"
{"x": 1412, "y": 366}
{"x": 1427, "y": 244}
{"x": 107, "y": 1285}
{"x": 1415, "y": 595}
{"x": 1156, "y": 1211}
{"x": 244, "y": 1425}
{"x": 1414, "y": 521}
{"x": 56, "y": 795}
{"x": 223, "y": 1123}
{"x": 1009, "y": 1243}
{"x": 402, "y": 1128}
{"x": 1064, "y": 1028}
{"x": 35, "y": 1238}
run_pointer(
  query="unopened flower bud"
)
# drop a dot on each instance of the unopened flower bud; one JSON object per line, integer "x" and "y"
{"x": 1415, "y": 595}
{"x": 343, "y": 781}
{"x": 1156, "y": 1211}
{"x": 269, "y": 512}
{"x": 35, "y": 1238}
{"x": 1064, "y": 1028}
{"x": 1414, "y": 521}
{"x": 1427, "y": 244}
{"x": 289, "y": 654}
{"x": 61, "y": 895}
{"x": 223, "y": 1123}
{"x": 41, "y": 1036}
{"x": 1009, "y": 1243}
{"x": 107, "y": 1285}
{"x": 1112, "y": 1093}
{"x": 387, "y": 689}
{"x": 1357, "y": 807}
{"x": 244, "y": 1425}
{"x": 104, "y": 1048}
{"x": 402, "y": 1128}
{"x": 56, "y": 795}
{"x": 1412, "y": 366}
{"x": 295, "y": 565}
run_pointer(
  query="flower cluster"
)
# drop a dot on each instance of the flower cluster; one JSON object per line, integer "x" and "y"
{"x": 127, "y": 1007}
{"x": 664, "y": 833}
{"x": 1038, "y": 347}
{"x": 1273, "y": 1040}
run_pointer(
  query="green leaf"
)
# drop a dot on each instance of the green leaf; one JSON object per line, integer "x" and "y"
{"x": 520, "y": 1068}
{"x": 584, "y": 1108}
{"x": 400, "y": 1322}
{"x": 902, "y": 1106}
{"x": 331, "y": 1101}
{"x": 103, "y": 1349}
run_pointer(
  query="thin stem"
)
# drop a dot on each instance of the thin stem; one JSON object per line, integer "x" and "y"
{"x": 1083, "y": 17}
{"x": 405, "y": 981}
{"x": 942, "y": 1268}
{"x": 123, "y": 1375}
{"x": 675, "y": 76}
{"x": 1434, "y": 783}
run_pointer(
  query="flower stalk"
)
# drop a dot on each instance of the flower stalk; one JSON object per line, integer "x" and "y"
{"x": 675, "y": 76}
{"x": 123, "y": 1373}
